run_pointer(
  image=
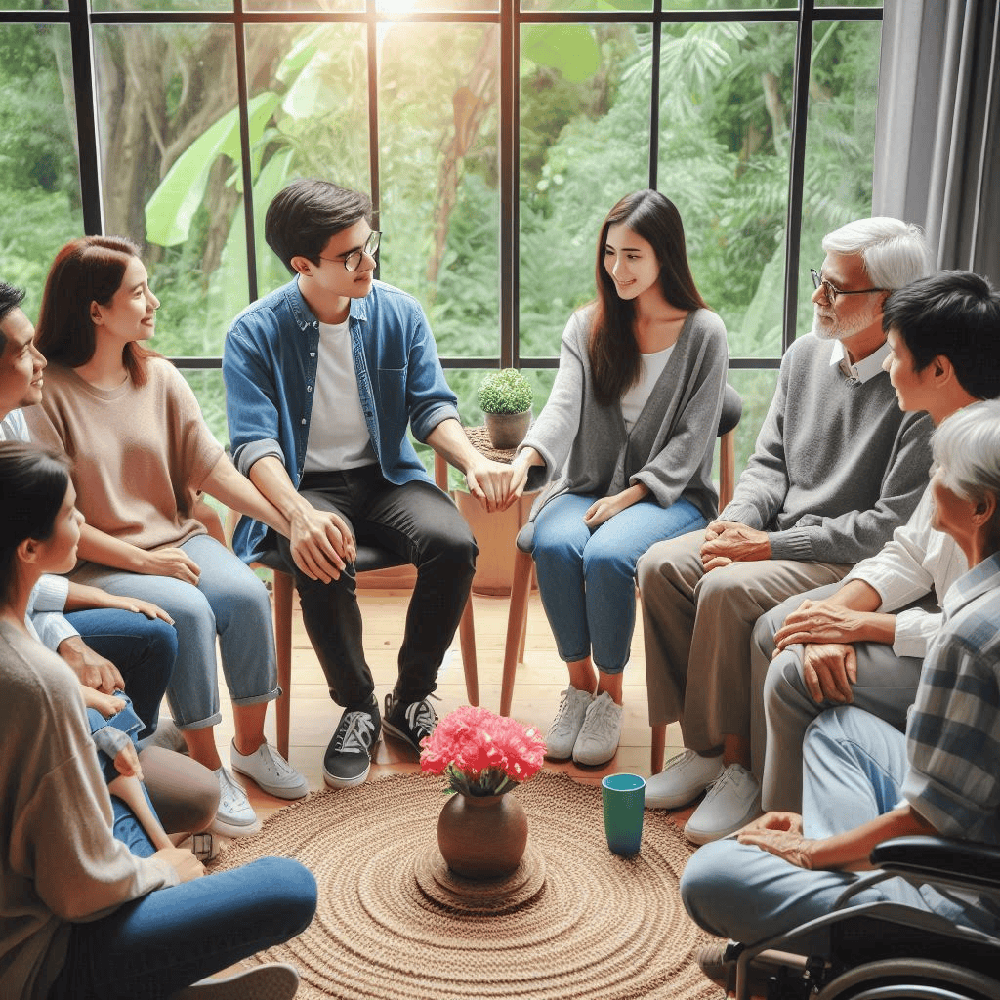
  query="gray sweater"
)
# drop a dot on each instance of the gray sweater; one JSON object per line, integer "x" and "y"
{"x": 837, "y": 466}
{"x": 586, "y": 447}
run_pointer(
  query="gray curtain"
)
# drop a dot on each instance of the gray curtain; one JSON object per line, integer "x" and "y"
{"x": 937, "y": 145}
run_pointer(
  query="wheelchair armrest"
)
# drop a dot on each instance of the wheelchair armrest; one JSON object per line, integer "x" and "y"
{"x": 957, "y": 861}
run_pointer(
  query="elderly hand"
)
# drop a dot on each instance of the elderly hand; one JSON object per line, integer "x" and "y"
{"x": 729, "y": 541}
{"x": 821, "y": 621}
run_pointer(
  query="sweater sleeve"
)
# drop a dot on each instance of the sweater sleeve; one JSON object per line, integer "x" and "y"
{"x": 668, "y": 472}
{"x": 553, "y": 433}
{"x": 857, "y": 534}
{"x": 194, "y": 450}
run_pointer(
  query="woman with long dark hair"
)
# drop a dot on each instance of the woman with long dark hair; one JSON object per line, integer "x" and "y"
{"x": 141, "y": 455}
{"x": 88, "y": 907}
{"x": 625, "y": 445}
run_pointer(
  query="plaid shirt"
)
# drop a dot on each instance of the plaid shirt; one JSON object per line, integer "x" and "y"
{"x": 953, "y": 731}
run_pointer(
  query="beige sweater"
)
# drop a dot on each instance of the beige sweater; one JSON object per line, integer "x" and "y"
{"x": 58, "y": 860}
{"x": 139, "y": 455}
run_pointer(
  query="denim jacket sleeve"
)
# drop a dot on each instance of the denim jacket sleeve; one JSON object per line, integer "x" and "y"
{"x": 429, "y": 400}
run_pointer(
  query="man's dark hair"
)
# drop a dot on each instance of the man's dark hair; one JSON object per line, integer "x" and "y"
{"x": 955, "y": 314}
{"x": 303, "y": 216}
{"x": 10, "y": 299}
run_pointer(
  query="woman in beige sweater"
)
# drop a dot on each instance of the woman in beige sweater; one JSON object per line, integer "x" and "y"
{"x": 88, "y": 907}
{"x": 141, "y": 456}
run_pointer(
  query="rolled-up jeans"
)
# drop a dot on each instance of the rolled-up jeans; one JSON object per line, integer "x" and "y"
{"x": 230, "y": 603}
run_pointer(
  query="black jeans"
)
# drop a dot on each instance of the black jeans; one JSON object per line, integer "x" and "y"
{"x": 422, "y": 526}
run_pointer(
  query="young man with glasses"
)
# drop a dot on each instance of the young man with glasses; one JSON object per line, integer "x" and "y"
{"x": 837, "y": 467}
{"x": 322, "y": 378}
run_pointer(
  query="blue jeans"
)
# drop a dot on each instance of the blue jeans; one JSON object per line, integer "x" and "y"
{"x": 229, "y": 602}
{"x": 854, "y": 764}
{"x": 143, "y": 650}
{"x": 586, "y": 577}
{"x": 151, "y": 947}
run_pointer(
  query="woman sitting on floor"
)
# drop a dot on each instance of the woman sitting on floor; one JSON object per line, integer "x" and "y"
{"x": 626, "y": 442}
{"x": 864, "y": 781}
{"x": 79, "y": 916}
{"x": 141, "y": 453}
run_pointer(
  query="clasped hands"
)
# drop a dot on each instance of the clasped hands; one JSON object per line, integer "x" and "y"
{"x": 731, "y": 541}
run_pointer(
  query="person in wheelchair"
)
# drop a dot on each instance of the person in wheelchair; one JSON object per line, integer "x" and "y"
{"x": 864, "y": 782}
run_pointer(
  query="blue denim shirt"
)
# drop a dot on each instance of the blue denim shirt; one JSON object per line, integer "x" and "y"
{"x": 269, "y": 367}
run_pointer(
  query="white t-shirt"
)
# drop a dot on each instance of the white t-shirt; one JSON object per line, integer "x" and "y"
{"x": 634, "y": 400}
{"x": 338, "y": 434}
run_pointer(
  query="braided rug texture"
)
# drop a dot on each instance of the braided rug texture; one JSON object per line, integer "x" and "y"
{"x": 600, "y": 927}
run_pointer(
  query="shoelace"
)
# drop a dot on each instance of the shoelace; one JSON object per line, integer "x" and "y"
{"x": 728, "y": 777}
{"x": 232, "y": 796}
{"x": 357, "y": 734}
{"x": 602, "y": 715}
{"x": 276, "y": 762}
{"x": 421, "y": 717}
{"x": 562, "y": 716}
{"x": 681, "y": 758}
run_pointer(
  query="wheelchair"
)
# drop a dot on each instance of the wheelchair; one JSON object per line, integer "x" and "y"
{"x": 887, "y": 951}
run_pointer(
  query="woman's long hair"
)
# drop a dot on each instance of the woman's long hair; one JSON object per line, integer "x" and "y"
{"x": 89, "y": 269}
{"x": 615, "y": 359}
{"x": 34, "y": 487}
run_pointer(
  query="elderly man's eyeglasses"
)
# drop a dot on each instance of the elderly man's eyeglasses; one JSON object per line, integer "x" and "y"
{"x": 353, "y": 260}
{"x": 831, "y": 291}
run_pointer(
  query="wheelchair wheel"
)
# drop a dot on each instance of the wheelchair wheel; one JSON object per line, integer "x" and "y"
{"x": 910, "y": 979}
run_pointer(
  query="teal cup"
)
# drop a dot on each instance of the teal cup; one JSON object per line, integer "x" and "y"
{"x": 624, "y": 809}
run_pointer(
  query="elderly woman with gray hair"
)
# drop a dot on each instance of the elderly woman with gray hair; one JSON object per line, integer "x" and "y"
{"x": 864, "y": 781}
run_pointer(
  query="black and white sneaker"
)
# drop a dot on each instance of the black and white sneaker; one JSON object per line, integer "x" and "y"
{"x": 348, "y": 756}
{"x": 411, "y": 723}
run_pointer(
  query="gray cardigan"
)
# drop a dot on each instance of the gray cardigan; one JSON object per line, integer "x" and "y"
{"x": 586, "y": 447}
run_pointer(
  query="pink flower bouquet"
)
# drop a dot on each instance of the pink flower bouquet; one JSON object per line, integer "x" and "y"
{"x": 480, "y": 753}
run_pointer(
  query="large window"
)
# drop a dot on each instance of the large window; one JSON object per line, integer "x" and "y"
{"x": 493, "y": 137}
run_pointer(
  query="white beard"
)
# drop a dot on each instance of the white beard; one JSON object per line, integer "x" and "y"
{"x": 839, "y": 330}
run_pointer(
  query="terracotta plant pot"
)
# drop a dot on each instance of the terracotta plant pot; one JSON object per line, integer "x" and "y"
{"x": 482, "y": 836}
{"x": 507, "y": 430}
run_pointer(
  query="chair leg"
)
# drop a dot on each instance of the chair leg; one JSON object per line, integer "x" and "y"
{"x": 727, "y": 468}
{"x": 282, "y": 592}
{"x": 515, "y": 626}
{"x": 657, "y": 745}
{"x": 524, "y": 623}
{"x": 467, "y": 640}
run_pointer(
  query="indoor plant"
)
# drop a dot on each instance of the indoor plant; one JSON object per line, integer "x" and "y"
{"x": 481, "y": 830}
{"x": 505, "y": 399}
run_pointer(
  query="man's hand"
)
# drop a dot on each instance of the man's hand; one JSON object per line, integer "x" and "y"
{"x": 821, "y": 621}
{"x": 787, "y": 844}
{"x": 173, "y": 562}
{"x": 491, "y": 483}
{"x": 322, "y": 543}
{"x": 127, "y": 763}
{"x": 830, "y": 670}
{"x": 729, "y": 541}
{"x": 92, "y": 669}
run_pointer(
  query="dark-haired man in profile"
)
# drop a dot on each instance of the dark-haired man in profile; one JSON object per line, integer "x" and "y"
{"x": 322, "y": 378}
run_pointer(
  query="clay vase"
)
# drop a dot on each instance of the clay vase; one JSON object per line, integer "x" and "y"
{"x": 482, "y": 836}
{"x": 507, "y": 430}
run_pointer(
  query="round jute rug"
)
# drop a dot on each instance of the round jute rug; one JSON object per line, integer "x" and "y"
{"x": 600, "y": 926}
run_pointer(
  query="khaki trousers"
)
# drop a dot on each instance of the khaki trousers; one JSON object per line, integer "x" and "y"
{"x": 698, "y": 626}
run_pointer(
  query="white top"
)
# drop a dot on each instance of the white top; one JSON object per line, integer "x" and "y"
{"x": 916, "y": 561}
{"x": 634, "y": 400}
{"x": 338, "y": 434}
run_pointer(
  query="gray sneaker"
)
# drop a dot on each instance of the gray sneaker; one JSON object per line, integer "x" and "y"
{"x": 270, "y": 770}
{"x": 562, "y": 734}
{"x": 600, "y": 733}
{"x": 275, "y": 981}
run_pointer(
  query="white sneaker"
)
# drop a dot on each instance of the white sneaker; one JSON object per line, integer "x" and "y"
{"x": 270, "y": 770}
{"x": 562, "y": 734}
{"x": 732, "y": 801}
{"x": 235, "y": 817}
{"x": 600, "y": 733}
{"x": 275, "y": 981}
{"x": 684, "y": 778}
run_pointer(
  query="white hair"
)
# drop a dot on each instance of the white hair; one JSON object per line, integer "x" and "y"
{"x": 893, "y": 253}
{"x": 967, "y": 450}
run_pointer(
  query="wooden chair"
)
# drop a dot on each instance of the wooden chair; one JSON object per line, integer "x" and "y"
{"x": 524, "y": 567}
{"x": 369, "y": 557}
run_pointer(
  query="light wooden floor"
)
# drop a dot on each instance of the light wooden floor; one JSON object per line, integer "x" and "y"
{"x": 536, "y": 693}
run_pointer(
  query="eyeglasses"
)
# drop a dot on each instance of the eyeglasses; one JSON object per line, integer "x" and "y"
{"x": 831, "y": 291}
{"x": 353, "y": 260}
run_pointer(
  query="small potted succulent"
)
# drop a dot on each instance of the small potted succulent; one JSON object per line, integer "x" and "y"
{"x": 505, "y": 399}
